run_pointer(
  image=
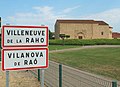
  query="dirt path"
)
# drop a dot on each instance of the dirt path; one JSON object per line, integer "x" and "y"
{"x": 19, "y": 79}
{"x": 84, "y": 47}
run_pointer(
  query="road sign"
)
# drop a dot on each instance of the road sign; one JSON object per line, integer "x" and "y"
{"x": 24, "y": 36}
{"x": 24, "y": 58}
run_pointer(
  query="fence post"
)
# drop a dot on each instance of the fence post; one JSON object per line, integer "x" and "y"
{"x": 38, "y": 74}
{"x": 60, "y": 75}
{"x": 114, "y": 83}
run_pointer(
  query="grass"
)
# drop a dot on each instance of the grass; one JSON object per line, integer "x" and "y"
{"x": 59, "y": 47}
{"x": 101, "y": 61}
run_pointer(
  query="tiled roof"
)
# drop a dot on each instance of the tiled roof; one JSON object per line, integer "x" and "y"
{"x": 101, "y": 22}
{"x": 110, "y": 27}
{"x": 83, "y": 21}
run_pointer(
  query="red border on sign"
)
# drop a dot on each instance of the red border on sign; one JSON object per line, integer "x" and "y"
{"x": 9, "y": 26}
{"x": 26, "y": 68}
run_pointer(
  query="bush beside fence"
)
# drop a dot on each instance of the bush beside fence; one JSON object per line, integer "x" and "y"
{"x": 85, "y": 42}
{"x": 71, "y": 77}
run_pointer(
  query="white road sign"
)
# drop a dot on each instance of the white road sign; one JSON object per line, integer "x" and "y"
{"x": 24, "y": 36}
{"x": 24, "y": 58}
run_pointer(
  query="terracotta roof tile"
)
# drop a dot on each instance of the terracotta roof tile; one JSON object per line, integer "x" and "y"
{"x": 101, "y": 22}
{"x": 110, "y": 27}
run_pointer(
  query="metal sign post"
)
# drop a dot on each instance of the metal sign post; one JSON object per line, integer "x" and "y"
{"x": 42, "y": 78}
{"x": 7, "y": 78}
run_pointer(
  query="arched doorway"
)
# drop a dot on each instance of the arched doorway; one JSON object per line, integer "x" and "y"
{"x": 80, "y": 35}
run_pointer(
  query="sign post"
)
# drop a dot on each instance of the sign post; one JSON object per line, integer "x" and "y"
{"x": 7, "y": 78}
{"x": 23, "y": 48}
{"x": 42, "y": 78}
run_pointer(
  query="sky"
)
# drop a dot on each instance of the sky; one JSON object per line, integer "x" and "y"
{"x": 46, "y": 12}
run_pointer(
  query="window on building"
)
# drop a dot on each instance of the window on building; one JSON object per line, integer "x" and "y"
{"x": 102, "y": 33}
{"x": 80, "y": 37}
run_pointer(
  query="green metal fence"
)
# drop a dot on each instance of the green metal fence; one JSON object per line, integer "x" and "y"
{"x": 114, "y": 84}
{"x": 58, "y": 75}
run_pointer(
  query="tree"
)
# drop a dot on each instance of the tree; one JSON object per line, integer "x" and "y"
{"x": 62, "y": 36}
{"x": 0, "y": 22}
{"x": 50, "y": 35}
{"x": 67, "y": 36}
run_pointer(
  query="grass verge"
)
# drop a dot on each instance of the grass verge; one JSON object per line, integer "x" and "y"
{"x": 101, "y": 61}
{"x": 85, "y": 42}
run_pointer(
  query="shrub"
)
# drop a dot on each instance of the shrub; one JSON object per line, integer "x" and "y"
{"x": 86, "y": 42}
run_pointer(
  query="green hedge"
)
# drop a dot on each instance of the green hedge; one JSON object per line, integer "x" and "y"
{"x": 86, "y": 42}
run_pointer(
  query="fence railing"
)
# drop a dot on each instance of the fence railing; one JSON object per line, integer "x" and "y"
{"x": 58, "y": 75}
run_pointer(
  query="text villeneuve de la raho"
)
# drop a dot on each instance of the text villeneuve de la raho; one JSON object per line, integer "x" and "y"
{"x": 25, "y": 36}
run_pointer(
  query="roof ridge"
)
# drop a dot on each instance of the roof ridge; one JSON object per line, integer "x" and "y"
{"x": 81, "y": 21}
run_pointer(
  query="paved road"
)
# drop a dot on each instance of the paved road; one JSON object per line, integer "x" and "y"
{"x": 84, "y": 47}
{"x": 19, "y": 79}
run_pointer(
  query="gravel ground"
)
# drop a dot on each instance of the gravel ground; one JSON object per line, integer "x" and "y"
{"x": 18, "y": 79}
